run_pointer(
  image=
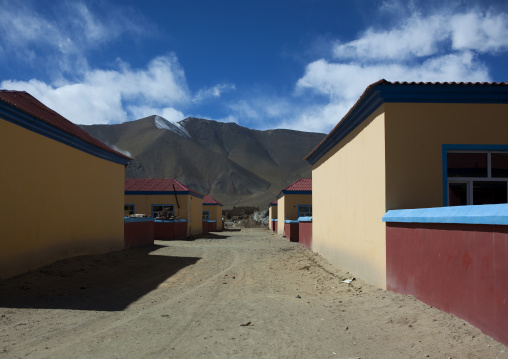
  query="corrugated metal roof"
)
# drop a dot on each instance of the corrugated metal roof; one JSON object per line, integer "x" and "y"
{"x": 156, "y": 185}
{"x": 27, "y": 103}
{"x": 210, "y": 200}
{"x": 420, "y": 92}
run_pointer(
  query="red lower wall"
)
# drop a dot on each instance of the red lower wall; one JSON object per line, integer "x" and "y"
{"x": 170, "y": 230}
{"x": 458, "y": 268}
{"x": 138, "y": 233}
{"x": 305, "y": 233}
{"x": 291, "y": 231}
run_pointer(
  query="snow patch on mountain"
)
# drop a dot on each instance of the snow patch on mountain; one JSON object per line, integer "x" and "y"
{"x": 163, "y": 124}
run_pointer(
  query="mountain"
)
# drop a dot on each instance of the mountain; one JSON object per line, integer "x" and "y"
{"x": 235, "y": 165}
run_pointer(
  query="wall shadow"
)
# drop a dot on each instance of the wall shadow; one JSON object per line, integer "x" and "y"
{"x": 106, "y": 282}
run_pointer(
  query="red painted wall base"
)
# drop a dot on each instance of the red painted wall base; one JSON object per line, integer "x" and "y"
{"x": 305, "y": 233}
{"x": 170, "y": 230}
{"x": 291, "y": 231}
{"x": 138, "y": 234}
{"x": 461, "y": 269}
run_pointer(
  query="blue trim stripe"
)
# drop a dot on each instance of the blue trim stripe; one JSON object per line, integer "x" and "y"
{"x": 290, "y": 221}
{"x": 137, "y": 219}
{"x": 274, "y": 220}
{"x": 305, "y": 219}
{"x": 22, "y": 119}
{"x": 496, "y": 214}
{"x": 284, "y": 192}
{"x": 170, "y": 220}
{"x": 377, "y": 94}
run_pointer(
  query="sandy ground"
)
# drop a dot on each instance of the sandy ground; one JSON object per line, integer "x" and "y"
{"x": 236, "y": 294}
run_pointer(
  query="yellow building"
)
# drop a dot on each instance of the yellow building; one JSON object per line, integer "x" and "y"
{"x": 151, "y": 196}
{"x": 403, "y": 145}
{"x": 61, "y": 190}
{"x": 293, "y": 202}
{"x": 272, "y": 216}
{"x": 212, "y": 214}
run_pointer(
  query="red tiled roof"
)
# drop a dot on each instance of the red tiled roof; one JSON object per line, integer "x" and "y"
{"x": 30, "y": 105}
{"x": 156, "y": 185}
{"x": 210, "y": 200}
{"x": 303, "y": 184}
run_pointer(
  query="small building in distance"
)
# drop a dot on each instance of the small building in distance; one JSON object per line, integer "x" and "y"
{"x": 272, "y": 216}
{"x": 157, "y": 196}
{"x": 293, "y": 202}
{"x": 212, "y": 214}
{"x": 61, "y": 189}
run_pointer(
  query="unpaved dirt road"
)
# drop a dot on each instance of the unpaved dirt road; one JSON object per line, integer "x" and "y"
{"x": 238, "y": 294}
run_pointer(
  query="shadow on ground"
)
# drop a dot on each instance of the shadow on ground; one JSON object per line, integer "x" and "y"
{"x": 106, "y": 282}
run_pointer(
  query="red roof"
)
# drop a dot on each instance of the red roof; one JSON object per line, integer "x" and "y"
{"x": 303, "y": 184}
{"x": 209, "y": 200}
{"x": 156, "y": 185}
{"x": 297, "y": 187}
{"x": 30, "y": 105}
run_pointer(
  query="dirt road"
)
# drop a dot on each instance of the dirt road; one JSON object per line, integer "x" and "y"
{"x": 238, "y": 294}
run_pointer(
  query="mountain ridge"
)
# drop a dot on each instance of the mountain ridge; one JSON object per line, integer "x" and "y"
{"x": 236, "y": 165}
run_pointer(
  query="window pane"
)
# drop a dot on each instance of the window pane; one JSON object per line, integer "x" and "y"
{"x": 467, "y": 164}
{"x": 489, "y": 192}
{"x": 499, "y": 163}
{"x": 458, "y": 194}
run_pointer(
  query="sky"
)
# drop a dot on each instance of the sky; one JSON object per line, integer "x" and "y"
{"x": 263, "y": 64}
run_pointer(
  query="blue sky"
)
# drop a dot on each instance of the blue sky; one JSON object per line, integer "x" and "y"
{"x": 264, "y": 64}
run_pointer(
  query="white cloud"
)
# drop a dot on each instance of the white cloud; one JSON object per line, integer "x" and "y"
{"x": 426, "y": 36}
{"x": 114, "y": 96}
{"x": 212, "y": 92}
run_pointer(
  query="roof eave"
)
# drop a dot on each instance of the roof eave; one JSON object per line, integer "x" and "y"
{"x": 31, "y": 123}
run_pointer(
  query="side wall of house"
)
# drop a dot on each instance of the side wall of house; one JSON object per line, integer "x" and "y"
{"x": 56, "y": 201}
{"x": 196, "y": 216}
{"x": 348, "y": 190}
{"x": 415, "y": 134}
{"x": 281, "y": 205}
{"x": 292, "y": 202}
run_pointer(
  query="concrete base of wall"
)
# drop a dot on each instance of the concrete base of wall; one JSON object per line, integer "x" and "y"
{"x": 138, "y": 233}
{"x": 170, "y": 230}
{"x": 461, "y": 269}
{"x": 305, "y": 233}
{"x": 291, "y": 231}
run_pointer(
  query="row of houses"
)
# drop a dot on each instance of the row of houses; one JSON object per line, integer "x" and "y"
{"x": 410, "y": 193}
{"x": 62, "y": 192}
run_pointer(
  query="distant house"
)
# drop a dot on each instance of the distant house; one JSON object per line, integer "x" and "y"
{"x": 61, "y": 190}
{"x": 153, "y": 196}
{"x": 293, "y": 202}
{"x": 405, "y": 146}
{"x": 212, "y": 214}
{"x": 272, "y": 215}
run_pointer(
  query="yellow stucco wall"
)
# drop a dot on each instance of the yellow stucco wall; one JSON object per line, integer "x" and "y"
{"x": 56, "y": 201}
{"x": 348, "y": 190}
{"x": 287, "y": 208}
{"x": 215, "y": 213}
{"x": 415, "y": 134}
{"x": 143, "y": 205}
{"x": 272, "y": 213}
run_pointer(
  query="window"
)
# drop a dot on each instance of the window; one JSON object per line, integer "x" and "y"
{"x": 206, "y": 215}
{"x": 158, "y": 209}
{"x": 477, "y": 177}
{"x": 128, "y": 209}
{"x": 304, "y": 211}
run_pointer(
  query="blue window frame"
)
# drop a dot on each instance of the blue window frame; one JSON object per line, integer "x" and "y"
{"x": 475, "y": 174}
{"x": 129, "y": 209}
{"x": 206, "y": 215}
{"x": 304, "y": 210}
